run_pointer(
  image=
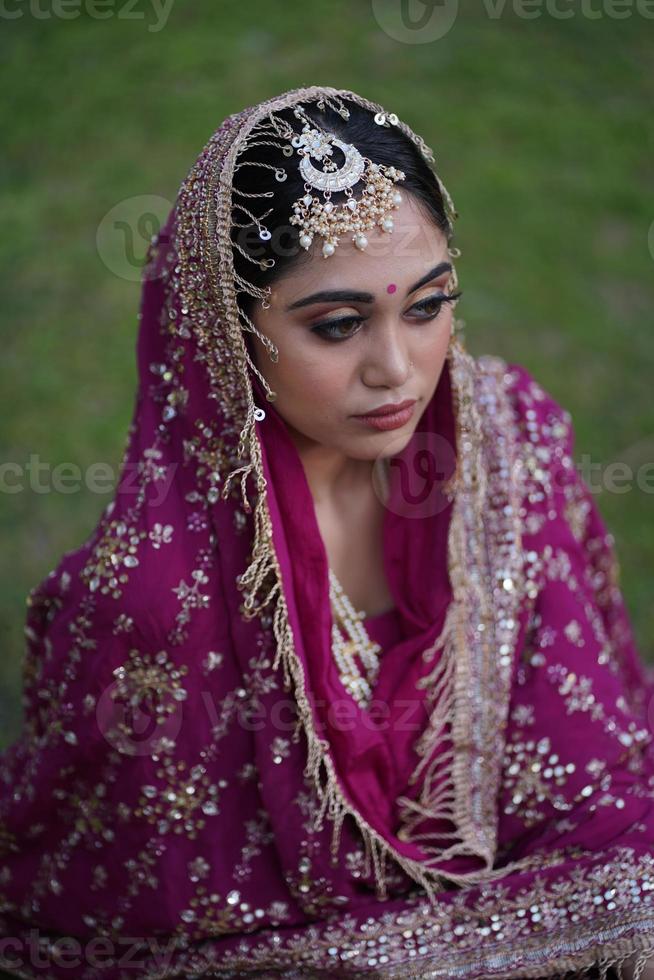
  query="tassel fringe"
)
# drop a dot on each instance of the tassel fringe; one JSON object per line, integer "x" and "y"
{"x": 333, "y": 802}
{"x": 433, "y": 803}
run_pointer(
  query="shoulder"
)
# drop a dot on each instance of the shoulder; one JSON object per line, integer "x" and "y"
{"x": 532, "y": 432}
{"x": 537, "y": 417}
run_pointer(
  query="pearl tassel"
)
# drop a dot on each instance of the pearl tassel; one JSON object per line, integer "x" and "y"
{"x": 343, "y": 650}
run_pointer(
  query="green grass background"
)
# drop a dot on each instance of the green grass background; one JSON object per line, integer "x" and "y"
{"x": 542, "y": 129}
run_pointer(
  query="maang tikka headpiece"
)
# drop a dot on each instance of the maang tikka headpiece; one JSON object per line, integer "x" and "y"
{"x": 320, "y": 217}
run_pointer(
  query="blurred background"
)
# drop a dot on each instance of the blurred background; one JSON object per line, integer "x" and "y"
{"x": 540, "y": 118}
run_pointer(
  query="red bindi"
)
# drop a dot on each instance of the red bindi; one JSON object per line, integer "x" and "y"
{"x": 391, "y": 287}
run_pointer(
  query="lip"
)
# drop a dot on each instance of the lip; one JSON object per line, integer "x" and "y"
{"x": 384, "y": 421}
{"x": 388, "y": 409}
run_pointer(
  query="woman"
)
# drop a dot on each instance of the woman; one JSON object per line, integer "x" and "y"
{"x": 327, "y": 694}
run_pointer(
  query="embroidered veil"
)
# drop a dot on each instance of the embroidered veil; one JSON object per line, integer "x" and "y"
{"x": 182, "y": 788}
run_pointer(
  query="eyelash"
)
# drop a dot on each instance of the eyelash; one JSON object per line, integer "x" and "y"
{"x": 327, "y": 328}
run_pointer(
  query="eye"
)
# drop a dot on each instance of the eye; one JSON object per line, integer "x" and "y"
{"x": 431, "y": 306}
{"x": 435, "y": 303}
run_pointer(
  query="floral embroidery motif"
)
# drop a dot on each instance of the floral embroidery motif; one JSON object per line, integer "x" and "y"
{"x": 182, "y": 802}
{"x": 258, "y": 833}
{"x": 190, "y": 597}
{"x": 161, "y": 534}
{"x": 576, "y": 513}
{"x": 116, "y": 548}
{"x": 146, "y": 686}
{"x": 531, "y": 773}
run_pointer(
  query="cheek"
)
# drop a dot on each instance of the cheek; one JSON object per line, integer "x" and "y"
{"x": 435, "y": 347}
{"x": 315, "y": 379}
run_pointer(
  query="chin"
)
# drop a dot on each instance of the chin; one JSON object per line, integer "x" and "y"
{"x": 394, "y": 446}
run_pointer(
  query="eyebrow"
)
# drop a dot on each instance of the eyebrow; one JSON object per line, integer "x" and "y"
{"x": 356, "y": 296}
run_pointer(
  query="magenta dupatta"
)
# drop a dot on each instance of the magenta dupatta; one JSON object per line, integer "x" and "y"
{"x": 494, "y": 816}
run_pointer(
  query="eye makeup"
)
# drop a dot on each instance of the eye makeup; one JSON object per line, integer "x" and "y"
{"x": 328, "y": 329}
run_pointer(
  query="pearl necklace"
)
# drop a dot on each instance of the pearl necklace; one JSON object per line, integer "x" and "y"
{"x": 347, "y": 619}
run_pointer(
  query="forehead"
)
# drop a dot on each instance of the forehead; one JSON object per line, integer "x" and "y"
{"x": 401, "y": 257}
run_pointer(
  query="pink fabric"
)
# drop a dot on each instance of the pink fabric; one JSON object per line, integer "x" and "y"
{"x": 385, "y": 628}
{"x": 374, "y": 760}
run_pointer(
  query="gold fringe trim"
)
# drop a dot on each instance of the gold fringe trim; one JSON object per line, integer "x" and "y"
{"x": 441, "y": 696}
{"x": 605, "y": 957}
{"x": 264, "y": 564}
{"x": 449, "y": 683}
{"x": 333, "y": 802}
{"x": 640, "y": 959}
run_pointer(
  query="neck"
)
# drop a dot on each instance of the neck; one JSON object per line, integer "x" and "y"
{"x": 333, "y": 477}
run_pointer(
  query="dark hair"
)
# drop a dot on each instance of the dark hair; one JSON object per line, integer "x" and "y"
{"x": 383, "y": 145}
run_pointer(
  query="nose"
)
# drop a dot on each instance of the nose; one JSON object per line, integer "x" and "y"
{"x": 388, "y": 359}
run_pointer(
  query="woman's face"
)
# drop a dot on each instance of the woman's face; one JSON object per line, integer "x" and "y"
{"x": 383, "y": 339}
